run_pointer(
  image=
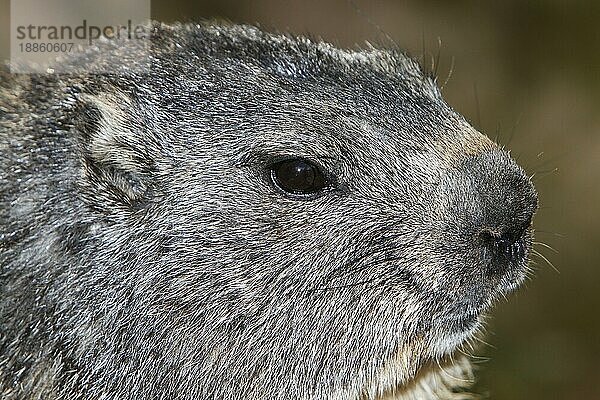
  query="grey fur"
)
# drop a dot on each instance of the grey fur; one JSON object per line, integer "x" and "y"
{"x": 144, "y": 253}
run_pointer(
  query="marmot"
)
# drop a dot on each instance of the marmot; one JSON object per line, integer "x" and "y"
{"x": 255, "y": 216}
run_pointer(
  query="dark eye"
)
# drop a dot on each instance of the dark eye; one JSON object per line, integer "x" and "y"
{"x": 298, "y": 176}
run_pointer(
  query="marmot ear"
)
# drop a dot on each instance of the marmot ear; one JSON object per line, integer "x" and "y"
{"x": 117, "y": 163}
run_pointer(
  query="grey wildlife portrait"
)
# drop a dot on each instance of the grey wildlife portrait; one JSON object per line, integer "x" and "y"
{"x": 253, "y": 216}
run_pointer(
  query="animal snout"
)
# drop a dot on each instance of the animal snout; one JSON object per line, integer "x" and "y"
{"x": 507, "y": 202}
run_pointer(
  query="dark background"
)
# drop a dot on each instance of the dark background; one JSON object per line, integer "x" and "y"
{"x": 529, "y": 73}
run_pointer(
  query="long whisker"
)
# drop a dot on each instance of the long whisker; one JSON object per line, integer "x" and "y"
{"x": 437, "y": 58}
{"x": 546, "y": 246}
{"x": 450, "y": 72}
{"x": 480, "y": 340}
{"x": 538, "y": 254}
{"x": 449, "y": 375}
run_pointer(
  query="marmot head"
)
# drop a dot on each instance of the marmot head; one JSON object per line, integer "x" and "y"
{"x": 273, "y": 217}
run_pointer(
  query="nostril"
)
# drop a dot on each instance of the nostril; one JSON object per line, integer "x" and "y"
{"x": 501, "y": 249}
{"x": 487, "y": 238}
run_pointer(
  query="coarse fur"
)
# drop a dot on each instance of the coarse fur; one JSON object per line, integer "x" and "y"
{"x": 145, "y": 253}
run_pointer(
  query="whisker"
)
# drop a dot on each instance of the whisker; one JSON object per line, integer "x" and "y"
{"x": 546, "y": 246}
{"x": 480, "y": 340}
{"x": 380, "y": 31}
{"x": 437, "y": 58}
{"x": 450, "y": 72}
{"x": 449, "y": 375}
{"x": 560, "y": 235}
{"x": 536, "y": 176}
{"x": 497, "y": 136}
{"x": 514, "y": 130}
{"x": 477, "y": 110}
{"x": 538, "y": 254}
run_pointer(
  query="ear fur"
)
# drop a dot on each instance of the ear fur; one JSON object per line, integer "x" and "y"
{"x": 117, "y": 162}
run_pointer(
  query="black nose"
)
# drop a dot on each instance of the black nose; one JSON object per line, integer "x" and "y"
{"x": 500, "y": 250}
{"x": 505, "y": 202}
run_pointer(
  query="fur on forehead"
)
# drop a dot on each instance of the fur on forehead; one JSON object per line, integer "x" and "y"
{"x": 297, "y": 57}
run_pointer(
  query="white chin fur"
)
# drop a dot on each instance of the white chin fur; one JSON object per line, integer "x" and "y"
{"x": 444, "y": 377}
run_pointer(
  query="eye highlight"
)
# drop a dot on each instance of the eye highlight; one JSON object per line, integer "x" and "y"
{"x": 298, "y": 177}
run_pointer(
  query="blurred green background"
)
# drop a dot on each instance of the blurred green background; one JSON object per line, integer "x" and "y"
{"x": 527, "y": 72}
